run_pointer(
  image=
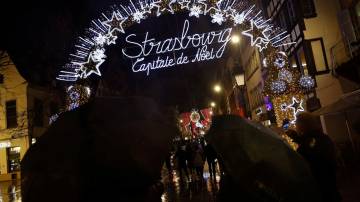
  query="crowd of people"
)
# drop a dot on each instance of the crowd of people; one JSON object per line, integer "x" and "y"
{"x": 190, "y": 157}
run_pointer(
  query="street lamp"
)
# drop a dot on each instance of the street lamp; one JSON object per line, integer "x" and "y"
{"x": 235, "y": 39}
{"x": 212, "y": 104}
{"x": 217, "y": 88}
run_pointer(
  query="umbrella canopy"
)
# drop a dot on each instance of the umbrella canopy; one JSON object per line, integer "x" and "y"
{"x": 110, "y": 149}
{"x": 259, "y": 161}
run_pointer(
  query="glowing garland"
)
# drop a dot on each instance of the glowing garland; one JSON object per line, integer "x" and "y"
{"x": 90, "y": 52}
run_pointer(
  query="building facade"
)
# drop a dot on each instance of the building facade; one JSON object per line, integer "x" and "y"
{"x": 24, "y": 112}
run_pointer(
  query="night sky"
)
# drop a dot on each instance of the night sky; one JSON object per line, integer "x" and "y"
{"x": 39, "y": 37}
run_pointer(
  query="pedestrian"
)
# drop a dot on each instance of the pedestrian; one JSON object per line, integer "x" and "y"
{"x": 12, "y": 192}
{"x": 168, "y": 163}
{"x": 198, "y": 161}
{"x": 319, "y": 151}
{"x": 181, "y": 156}
{"x": 211, "y": 159}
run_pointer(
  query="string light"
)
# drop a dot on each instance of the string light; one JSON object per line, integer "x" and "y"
{"x": 105, "y": 30}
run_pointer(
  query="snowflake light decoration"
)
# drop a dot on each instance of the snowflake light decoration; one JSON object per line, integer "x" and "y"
{"x": 218, "y": 18}
{"x": 138, "y": 16}
{"x": 195, "y": 11}
{"x": 239, "y": 18}
{"x": 100, "y": 39}
{"x": 278, "y": 86}
{"x": 99, "y": 55}
{"x": 307, "y": 82}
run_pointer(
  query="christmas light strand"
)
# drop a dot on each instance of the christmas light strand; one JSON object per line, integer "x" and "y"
{"x": 90, "y": 49}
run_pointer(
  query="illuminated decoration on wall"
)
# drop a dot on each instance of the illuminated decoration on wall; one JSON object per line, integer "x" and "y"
{"x": 285, "y": 75}
{"x": 296, "y": 106}
{"x": 285, "y": 109}
{"x": 77, "y": 95}
{"x": 283, "y": 86}
{"x": 53, "y": 118}
{"x": 104, "y": 31}
{"x": 278, "y": 86}
{"x": 196, "y": 122}
{"x": 307, "y": 82}
{"x": 195, "y": 116}
{"x": 280, "y": 60}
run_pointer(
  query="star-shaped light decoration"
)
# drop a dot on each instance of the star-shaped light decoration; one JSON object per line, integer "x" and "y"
{"x": 296, "y": 106}
{"x": 195, "y": 10}
{"x": 184, "y": 4}
{"x": 218, "y": 18}
{"x": 262, "y": 44}
{"x": 257, "y": 36}
{"x": 138, "y": 16}
{"x": 111, "y": 38}
{"x": 283, "y": 107}
{"x": 91, "y": 66}
{"x": 169, "y": 7}
{"x": 204, "y": 4}
{"x": 116, "y": 23}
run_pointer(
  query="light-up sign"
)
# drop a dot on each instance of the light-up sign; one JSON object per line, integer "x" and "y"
{"x": 172, "y": 51}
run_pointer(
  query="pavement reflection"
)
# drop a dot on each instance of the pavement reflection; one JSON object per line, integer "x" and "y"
{"x": 193, "y": 189}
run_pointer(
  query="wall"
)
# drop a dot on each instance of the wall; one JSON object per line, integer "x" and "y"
{"x": 325, "y": 25}
{"x": 13, "y": 88}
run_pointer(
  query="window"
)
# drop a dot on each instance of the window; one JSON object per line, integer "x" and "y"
{"x": 319, "y": 55}
{"x": 13, "y": 156}
{"x": 308, "y": 7}
{"x": 38, "y": 112}
{"x": 11, "y": 115}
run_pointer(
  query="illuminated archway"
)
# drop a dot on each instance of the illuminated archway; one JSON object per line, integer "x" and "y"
{"x": 104, "y": 31}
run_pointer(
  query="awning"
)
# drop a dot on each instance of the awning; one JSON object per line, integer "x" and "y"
{"x": 345, "y": 103}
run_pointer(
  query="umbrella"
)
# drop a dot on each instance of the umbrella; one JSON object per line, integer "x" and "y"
{"x": 259, "y": 162}
{"x": 111, "y": 149}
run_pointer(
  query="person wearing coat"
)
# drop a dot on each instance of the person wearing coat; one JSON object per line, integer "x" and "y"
{"x": 319, "y": 151}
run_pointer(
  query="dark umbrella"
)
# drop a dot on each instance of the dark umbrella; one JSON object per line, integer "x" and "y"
{"x": 260, "y": 163}
{"x": 111, "y": 149}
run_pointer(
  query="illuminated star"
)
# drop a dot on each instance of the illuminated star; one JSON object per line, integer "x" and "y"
{"x": 184, "y": 4}
{"x": 258, "y": 38}
{"x": 155, "y": 4}
{"x": 115, "y": 23}
{"x": 262, "y": 44}
{"x": 90, "y": 67}
{"x": 204, "y": 4}
{"x": 169, "y": 7}
{"x": 111, "y": 39}
{"x": 296, "y": 106}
